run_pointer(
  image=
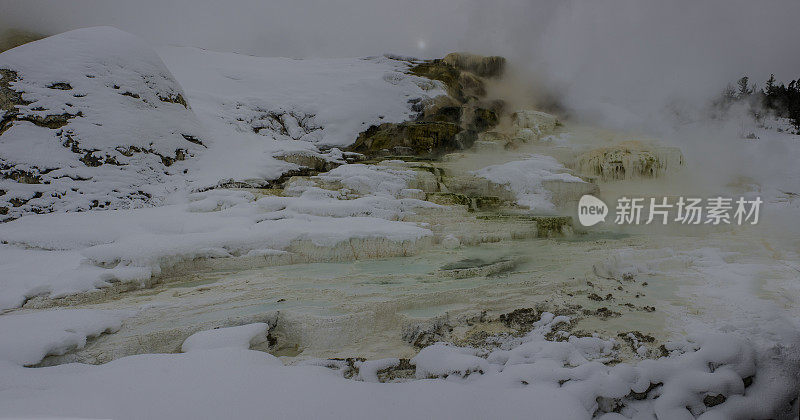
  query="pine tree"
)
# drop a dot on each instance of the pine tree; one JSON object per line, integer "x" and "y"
{"x": 770, "y": 85}
{"x": 744, "y": 89}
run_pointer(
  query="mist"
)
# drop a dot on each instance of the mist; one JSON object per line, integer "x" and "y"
{"x": 623, "y": 63}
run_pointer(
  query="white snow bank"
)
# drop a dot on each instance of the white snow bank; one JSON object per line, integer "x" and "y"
{"x": 27, "y": 337}
{"x": 366, "y": 179}
{"x": 235, "y": 383}
{"x": 524, "y": 178}
{"x": 240, "y": 337}
{"x": 126, "y": 124}
{"x": 62, "y": 253}
{"x": 526, "y": 376}
{"x": 30, "y": 272}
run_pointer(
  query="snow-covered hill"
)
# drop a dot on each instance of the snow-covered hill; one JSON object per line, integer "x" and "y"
{"x": 103, "y": 127}
{"x": 109, "y": 126}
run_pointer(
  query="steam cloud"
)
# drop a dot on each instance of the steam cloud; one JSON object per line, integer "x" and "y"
{"x": 609, "y": 59}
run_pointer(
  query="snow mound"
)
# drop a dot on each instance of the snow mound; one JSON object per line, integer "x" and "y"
{"x": 525, "y": 178}
{"x": 235, "y": 383}
{"x": 441, "y": 360}
{"x": 241, "y": 337}
{"x": 29, "y": 337}
{"x": 102, "y": 126}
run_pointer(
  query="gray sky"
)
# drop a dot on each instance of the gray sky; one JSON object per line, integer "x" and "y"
{"x": 632, "y": 54}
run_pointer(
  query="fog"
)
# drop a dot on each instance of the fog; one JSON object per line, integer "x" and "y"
{"x": 620, "y": 61}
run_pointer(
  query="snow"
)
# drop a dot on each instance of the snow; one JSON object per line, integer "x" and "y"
{"x": 247, "y": 111}
{"x": 74, "y": 252}
{"x": 122, "y": 112}
{"x": 441, "y": 360}
{"x": 31, "y": 272}
{"x": 236, "y": 383}
{"x": 525, "y": 177}
{"x": 250, "y": 113}
{"x": 524, "y": 375}
{"x": 241, "y": 337}
{"x": 365, "y": 179}
{"x": 708, "y": 364}
{"x": 28, "y": 337}
{"x": 368, "y": 369}
{"x": 257, "y": 108}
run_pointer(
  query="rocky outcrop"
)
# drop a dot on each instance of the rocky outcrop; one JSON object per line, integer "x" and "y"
{"x": 629, "y": 160}
{"x": 444, "y": 123}
{"x": 411, "y": 138}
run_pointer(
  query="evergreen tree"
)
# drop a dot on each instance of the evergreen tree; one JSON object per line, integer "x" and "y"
{"x": 744, "y": 89}
{"x": 770, "y": 85}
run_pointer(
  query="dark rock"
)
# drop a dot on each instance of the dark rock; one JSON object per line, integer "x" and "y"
{"x": 174, "y": 99}
{"x": 484, "y": 119}
{"x": 520, "y": 319}
{"x": 89, "y": 159}
{"x": 60, "y": 86}
{"x": 403, "y": 370}
{"x": 712, "y": 400}
{"x": 193, "y": 139}
{"x": 424, "y": 138}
